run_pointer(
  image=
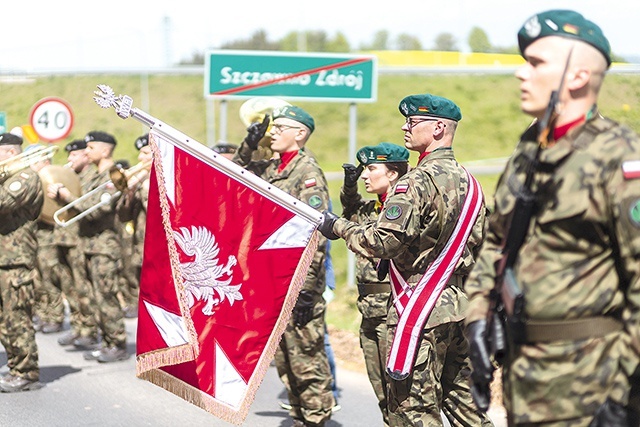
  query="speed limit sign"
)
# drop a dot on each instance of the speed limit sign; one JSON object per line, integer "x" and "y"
{"x": 52, "y": 119}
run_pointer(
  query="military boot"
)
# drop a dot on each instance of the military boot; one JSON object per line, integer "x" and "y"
{"x": 68, "y": 338}
{"x": 112, "y": 354}
{"x": 12, "y": 384}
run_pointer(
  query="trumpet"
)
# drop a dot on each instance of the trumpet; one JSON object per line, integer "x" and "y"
{"x": 25, "y": 159}
{"x": 254, "y": 109}
{"x": 120, "y": 178}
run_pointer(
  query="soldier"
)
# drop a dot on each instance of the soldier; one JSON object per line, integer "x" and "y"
{"x": 430, "y": 230}
{"x": 383, "y": 165}
{"x": 78, "y": 292}
{"x": 21, "y": 199}
{"x": 101, "y": 246}
{"x": 132, "y": 208}
{"x": 301, "y": 359}
{"x": 226, "y": 149}
{"x": 572, "y": 188}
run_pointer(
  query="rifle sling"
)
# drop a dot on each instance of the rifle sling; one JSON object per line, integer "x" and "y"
{"x": 571, "y": 329}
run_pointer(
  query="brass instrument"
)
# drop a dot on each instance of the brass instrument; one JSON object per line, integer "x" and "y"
{"x": 52, "y": 174}
{"x": 25, "y": 159}
{"x": 120, "y": 179}
{"x": 254, "y": 109}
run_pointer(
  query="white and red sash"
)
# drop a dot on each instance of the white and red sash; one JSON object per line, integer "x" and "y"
{"x": 415, "y": 305}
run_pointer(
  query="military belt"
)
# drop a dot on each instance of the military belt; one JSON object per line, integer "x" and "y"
{"x": 373, "y": 288}
{"x": 572, "y": 329}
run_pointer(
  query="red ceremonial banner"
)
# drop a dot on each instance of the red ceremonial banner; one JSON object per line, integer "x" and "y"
{"x": 222, "y": 268}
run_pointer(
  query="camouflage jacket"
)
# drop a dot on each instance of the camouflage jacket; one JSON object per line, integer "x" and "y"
{"x": 303, "y": 179}
{"x": 21, "y": 200}
{"x": 415, "y": 224}
{"x": 134, "y": 208}
{"x": 98, "y": 229}
{"x": 361, "y": 211}
{"x": 580, "y": 259}
{"x": 68, "y": 236}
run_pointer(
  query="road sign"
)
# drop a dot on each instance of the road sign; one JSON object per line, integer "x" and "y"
{"x": 51, "y": 118}
{"x": 3, "y": 122}
{"x": 311, "y": 76}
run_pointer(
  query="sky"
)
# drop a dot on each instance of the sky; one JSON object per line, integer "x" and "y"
{"x": 40, "y": 35}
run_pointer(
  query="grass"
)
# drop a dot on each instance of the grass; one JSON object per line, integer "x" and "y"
{"x": 491, "y": 124}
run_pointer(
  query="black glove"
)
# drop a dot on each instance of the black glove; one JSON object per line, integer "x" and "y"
{"x": 611, "y": 414}
{"x": 482, "y": 369}
{"x": 255, "y": 132}
{"x": 326, "y": 226}
{"x": 351, "y": 174}
{"x": 382, "y": 269}
{"x": 303, "y": 311}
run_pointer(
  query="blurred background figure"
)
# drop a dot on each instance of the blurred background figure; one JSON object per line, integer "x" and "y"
{"x": 226, "y": 149}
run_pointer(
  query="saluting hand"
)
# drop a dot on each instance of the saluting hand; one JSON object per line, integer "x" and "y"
{"x": 256, "y": 131}
{"x": 351, "y": 174}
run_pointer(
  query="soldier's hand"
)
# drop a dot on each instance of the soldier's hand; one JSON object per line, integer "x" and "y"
{"x": 256, "y": 131}
{"x": 326, "y": 226}
{"x": 303, "y": 310}
{"x": 351, "y": 174}
{"x": 482, "y": 368}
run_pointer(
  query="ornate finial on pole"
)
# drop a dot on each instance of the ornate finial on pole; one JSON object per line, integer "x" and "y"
{"x": 105, "y": 98}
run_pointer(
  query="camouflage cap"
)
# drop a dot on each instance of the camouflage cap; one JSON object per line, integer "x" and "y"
{"x": 295, "y": 113}
{"x": 385, "y": 152}
{"x": 76, "y": 144}
{"x": 100, "y": 136}
{"x": 10, "y": 139}
{"x": 430, "y": 105}
{"x": 563, "y": 23}
{"x": 142, "y": 141}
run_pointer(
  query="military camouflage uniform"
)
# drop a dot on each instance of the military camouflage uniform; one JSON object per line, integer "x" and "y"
{"x": 373, "y": 298}
{"x": 79, "y": 295}
{"x": 429, "y": 210}
{"x": 134, "y": 209}
{"x": 21, "y": 199}
{"x": 301, "y": 358}
{"x": 102, "y": 249}
{"x": 580, "y": 259}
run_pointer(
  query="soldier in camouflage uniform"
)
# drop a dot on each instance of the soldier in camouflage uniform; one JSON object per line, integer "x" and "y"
{"x": 412, "y": 230}
{"x": 579, "y": 264}
{"x": 99, "y": 239}
{"x": 78, "y": 292}
{"x": 301, "y": 359}
{"x": 383, "y": 164}
{"x": 21, "y": 199}
{"x": 132, "y": 207}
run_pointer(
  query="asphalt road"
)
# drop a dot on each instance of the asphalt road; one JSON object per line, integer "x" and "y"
{"x": 83, "y": 393}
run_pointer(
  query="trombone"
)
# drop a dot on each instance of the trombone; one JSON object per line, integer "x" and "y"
{"x": 25, "y": 159}
{"x": 120, "y": 179}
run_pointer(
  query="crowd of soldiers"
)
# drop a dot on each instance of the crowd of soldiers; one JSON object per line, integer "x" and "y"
{"x": 84, "y": 259}
{"x": 544, "y": 282}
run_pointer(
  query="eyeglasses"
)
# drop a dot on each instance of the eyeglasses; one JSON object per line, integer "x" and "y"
{"x": 278, "y": 128}
{"x": 411, "y": 123}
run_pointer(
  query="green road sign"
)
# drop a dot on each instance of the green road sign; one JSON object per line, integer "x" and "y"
{"x": 3, "y": 122}
{"x": 309, "y": 76}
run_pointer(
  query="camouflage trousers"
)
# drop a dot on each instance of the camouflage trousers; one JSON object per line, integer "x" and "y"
{"x": 304, "y": 370}
{"x": 103, "y": 273}
{"x": 439, "y": 382}
{"x": 80, "y": 294}
{"x": 55, "y": 275}
{"x": 16, "y": 328}
{"x": 129, "y": 283}
{"x": 373, "y": 341}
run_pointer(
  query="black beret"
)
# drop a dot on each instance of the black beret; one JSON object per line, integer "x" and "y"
{"x": 99, "y": 136}
{"x": 225, "y": 148}
{"x": 10, "y": 139}
{"x": 123, "y": 163}
{"x": 142, "y": 141}
{"x": 76, "y": 144}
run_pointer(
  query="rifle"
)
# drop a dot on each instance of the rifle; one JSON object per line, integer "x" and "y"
{"x": 507, "y": 300}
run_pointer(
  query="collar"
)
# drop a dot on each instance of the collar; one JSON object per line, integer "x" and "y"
{"x": 285, "y": 159}
{"x": 438, "y": 153}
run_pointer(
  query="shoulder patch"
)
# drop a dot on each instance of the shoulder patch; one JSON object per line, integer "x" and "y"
{"x": 634, "y": 213}
{"x": 15, "y": 186}
{"x": 311, "y": 182}
{"x": 24, "y": 175}
{"x": 401, "y": 188}
{"x": 393, "y": 212}
{"x": 315, "y": 201}
{"x": 631, "y": 169}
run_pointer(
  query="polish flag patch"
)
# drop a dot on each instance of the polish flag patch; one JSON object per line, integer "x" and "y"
{"x": 631, "y": 169}
{"x": 401, "y": 188}
{"x": 311, "y": 182}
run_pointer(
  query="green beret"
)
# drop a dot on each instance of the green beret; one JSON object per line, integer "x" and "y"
{"x": 563, "y": 23}
{"x": 385, "y": 152}
{"x": 430, "y": 105}
{"x": 295, "y": 113}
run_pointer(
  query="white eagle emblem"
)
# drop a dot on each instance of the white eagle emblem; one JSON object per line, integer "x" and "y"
{"x": 204, "y": 278}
